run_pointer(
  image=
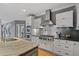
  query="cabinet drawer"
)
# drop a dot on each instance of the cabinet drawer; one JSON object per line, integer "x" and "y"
{"x": 67, "y": 53}
{"x": 56, "y": 41}
{"x": 47, "y": 45}
{"x": 57, "y": 51}
{"x": 57, "y": 45}
{"x": 62, "y": 42}
{"x": 75, "y": 43}
{"x": 67, "y": 47}
{"x": 66, "y": 42}
{"x": 63, "y": 52}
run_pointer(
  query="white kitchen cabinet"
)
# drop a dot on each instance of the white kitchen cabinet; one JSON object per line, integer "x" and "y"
{"x": 77, "y": 8}
{"x": 64, "y": 19}
{"x": 76, "y": 48}
{"x": 29, "y": 20}
{"x": 63, "y": 47}
{"x": 47, "y": 45}
{"x": 67, "y": 47}
{"x": 40, "y": 43}
{"x": 56, "y": 43}
{"x": 57, "y": 51}
{"x": 57, "y": 47}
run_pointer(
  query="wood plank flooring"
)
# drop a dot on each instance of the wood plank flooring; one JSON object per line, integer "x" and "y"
{"x": 42, "y": 52}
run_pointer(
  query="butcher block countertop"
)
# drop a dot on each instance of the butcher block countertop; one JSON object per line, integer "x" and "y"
{"x": 16, "y": 48}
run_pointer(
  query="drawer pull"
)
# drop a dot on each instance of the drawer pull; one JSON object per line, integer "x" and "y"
{"x": 45, "y": 43}
{"x": 59, "y": 45}
{"x": 59, "y": 51}
{"x": 63, "y": 18}
{"x": 74, "y": 43}
{"x": 66, "y": 53}
{"x": 62, "y": 25}
{"x": 66, "y": 47}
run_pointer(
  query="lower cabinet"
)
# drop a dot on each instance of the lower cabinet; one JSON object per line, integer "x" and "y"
{"x": 66, "y": 47}
{"x": 76, "y": 48}
{"x": 60, "y": 47}
{"x": 47, "y": 45}
{"x": 63, "y": 47}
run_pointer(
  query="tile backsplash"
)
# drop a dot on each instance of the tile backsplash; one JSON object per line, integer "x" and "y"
{"x": 51, "y": 30}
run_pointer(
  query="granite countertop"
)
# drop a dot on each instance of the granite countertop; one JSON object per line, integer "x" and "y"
{"x": 48, "y": 35}
{"x": 16, "y": 47}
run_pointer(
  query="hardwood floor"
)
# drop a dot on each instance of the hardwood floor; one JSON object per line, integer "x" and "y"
{"x": 42, "y": 52}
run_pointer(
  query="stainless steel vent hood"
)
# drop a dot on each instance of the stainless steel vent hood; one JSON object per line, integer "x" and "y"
{"x": 47, "y": 20}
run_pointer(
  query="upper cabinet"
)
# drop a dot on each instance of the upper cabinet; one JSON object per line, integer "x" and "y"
{"x": 29, "y": 20}
{"x": 77, "y": 8}
{"x": 64, "y": 19}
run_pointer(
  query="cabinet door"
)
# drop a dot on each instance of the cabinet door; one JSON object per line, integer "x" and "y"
{"x": 63, "y": 47}
{"x": 76, "y": 48}
{"x": 49, "y": 45}
{"x": 28, "y": 20}
{"x": 67, "y": 45}
{"x": 64, "y": 19}
{"x": 57, "y": 43}
{"x": 41, "y": 43}
{"x": 77, "y": 6}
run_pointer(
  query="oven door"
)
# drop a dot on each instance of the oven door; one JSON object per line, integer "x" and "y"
{"x": 28, "y": 30}
{"x": 28, "y": 36}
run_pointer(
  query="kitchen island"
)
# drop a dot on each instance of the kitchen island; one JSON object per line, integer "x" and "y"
{"x": 19, "y": 47}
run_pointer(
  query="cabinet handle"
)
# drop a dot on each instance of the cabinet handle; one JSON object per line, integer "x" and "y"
{"x": 59, "y": 45}
{"x": 66, "y": 47}
{"x": 74, "y": 43}
{"x": 66, "y": 53}
{"x": 45, "y": 43}
{"x": 63, "y": 18}
{"x": 62, "y": 25}
{"x": 59, "y": 51}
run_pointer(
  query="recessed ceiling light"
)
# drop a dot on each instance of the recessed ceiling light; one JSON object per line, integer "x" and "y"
{"x": 24, "y": 10}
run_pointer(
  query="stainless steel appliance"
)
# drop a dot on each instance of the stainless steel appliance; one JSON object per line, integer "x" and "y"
{"x": 28, "y": 36}
{"x": 35, "y": 32}
{"x": 28, "y": 29}
{"x": 28, "y": 32}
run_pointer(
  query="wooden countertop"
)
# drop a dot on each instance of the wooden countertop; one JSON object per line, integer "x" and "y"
{"x": 15, "y": 48}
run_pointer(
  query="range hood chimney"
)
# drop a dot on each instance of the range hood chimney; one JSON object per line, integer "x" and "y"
{"x": 48, "y": 17}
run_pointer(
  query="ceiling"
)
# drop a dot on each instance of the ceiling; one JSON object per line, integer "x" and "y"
{"x": 18, "y": 11}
